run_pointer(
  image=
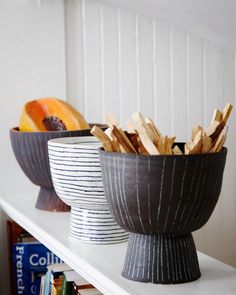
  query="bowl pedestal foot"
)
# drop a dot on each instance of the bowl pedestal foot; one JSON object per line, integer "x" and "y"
{"x": 161, "y": 259}
{"x": 48, "y": 200}
{"x": 95, "y": 226}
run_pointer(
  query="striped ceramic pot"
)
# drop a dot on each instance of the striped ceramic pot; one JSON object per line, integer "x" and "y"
{"x": 77, "y": 179}
{"x": 161, "y": 200}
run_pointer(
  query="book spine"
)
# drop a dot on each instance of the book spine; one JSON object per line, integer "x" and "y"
{"x": 47, "y": 283}
{"x": 21, "y": 278}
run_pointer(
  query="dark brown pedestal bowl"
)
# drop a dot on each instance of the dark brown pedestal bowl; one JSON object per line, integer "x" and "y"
{"x": 31, "y": 152}
{"x": 160, "y": 200}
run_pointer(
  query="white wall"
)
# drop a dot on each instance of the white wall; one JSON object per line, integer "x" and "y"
{"x": 122, "y": 61}
{"x": 32, "y": 64}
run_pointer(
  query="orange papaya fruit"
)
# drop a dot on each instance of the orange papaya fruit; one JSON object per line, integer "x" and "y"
{"x": 34, "y": 113}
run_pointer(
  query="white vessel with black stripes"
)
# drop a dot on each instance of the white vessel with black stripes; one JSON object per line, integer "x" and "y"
{"x": 77, "y": 179}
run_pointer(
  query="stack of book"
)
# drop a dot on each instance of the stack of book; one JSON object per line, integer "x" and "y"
{"x": 62, "y": 280}
{"x": 28, "y": 259}
{"x": 38, "y": 271}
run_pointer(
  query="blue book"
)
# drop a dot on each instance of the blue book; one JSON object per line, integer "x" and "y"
{"x": 30, "y": 261}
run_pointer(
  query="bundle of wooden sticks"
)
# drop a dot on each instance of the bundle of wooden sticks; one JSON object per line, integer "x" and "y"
{"x": 143, "y": 136}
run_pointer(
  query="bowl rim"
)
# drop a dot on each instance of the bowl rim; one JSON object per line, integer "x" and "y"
{"x": 66, "y": 142}
{"x": 16, "y": 129}
{"x": 134, "y": 156}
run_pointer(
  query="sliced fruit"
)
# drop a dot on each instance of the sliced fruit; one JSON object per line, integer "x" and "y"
{"x": 35, "y": 111}
{"x": 52, "y": 123}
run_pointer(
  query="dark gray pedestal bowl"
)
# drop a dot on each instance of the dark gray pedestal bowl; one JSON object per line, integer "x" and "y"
{"x": 160, "y": 200}
{"x": 31, "y": 152}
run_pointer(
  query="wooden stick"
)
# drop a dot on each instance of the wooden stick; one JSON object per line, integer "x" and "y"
{"x": 166, "y": 146}
{"x": 226, "y": 112}
{"x": 109, "y": 133}
{"x": 214, "y": 128}
{"x": 172, "y": 140}
{"x": 195, "y": 130}
{"x": 103, "y": 138}
{"x": 194, "y": 147}
{"x": 133, "y": 138}
{"x": 139, "y": 125}
{"x": 141, "y": 147}
{"x": 154, "y": 136}
{"x": 206, "y": 143}
{"x": 177, "y": 151}
{"x": 130, "y": 127}
{"x": 187, "y": 149}
{"x": 123, "y": 140}
{"x": 220, "y": 141}
{"x": 150, "y": 121}
{"x": 111, "y": 120}
{"x": 217, "y": 116}
{"x": 114, "y": 142}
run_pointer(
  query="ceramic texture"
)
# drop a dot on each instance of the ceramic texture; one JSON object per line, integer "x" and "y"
{"x": 161, "y": 200}
{"x": 77, "y": 179}
{"x": 31, "y": 152}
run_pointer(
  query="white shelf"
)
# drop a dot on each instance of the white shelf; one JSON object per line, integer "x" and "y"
{"x": 102, "y": 265}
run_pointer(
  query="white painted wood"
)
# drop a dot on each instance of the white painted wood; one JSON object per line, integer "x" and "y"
{"x": 163, "y": 81}
{"x": 75, "y": 55}
{"x": 194, "y": 76}
{"x": 145, "y": 61}
{"x": 134, "y": 62}
{"x": 128, "y": 65}
{"x": 102, "y": 265}
{"x": 94, "y": 92}
{"x": 111, "y": 61}
{"x": 211, "y": 19}
{"x": 179, "y": 119}
{"x": 212, "y": 78}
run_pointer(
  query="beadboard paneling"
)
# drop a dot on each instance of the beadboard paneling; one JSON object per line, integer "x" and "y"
{"x": 195, "y": 81}
{"x": 128, "y": 74}
{"x": 75, "y": 56}
{"x": 92, "y": 41}
{"x": 179, "y": 95}
{"x": 163, "y": 82}
{"x": 110, "y": 60}
{"x": 144, "y": 53}
{"x": 127, "y": 62}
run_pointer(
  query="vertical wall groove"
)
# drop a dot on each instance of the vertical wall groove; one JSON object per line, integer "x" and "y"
{"x": 220, "y": 78}
{"x": 137, "y": 60}
{"x": 171, "y": 80}
{"x": 102, "y": 63}
{"x": 119, "y": 65}
{"x": 65, "y": 42}
{"x": 204, "y": 80}
{"x": 187, "y": 83}
{"x": 83, "y": 17}
{"x": 154, "y": 68}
